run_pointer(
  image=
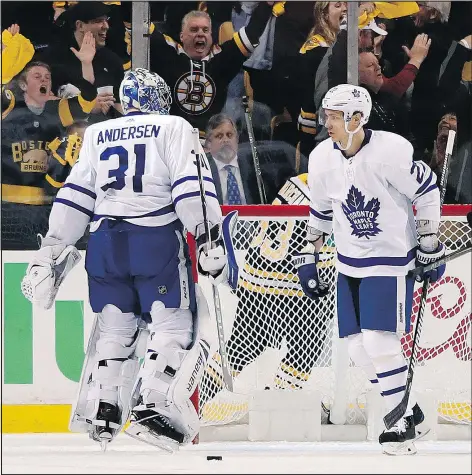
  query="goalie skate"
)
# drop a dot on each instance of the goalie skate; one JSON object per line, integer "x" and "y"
{"x": 154, "y": 429}
{"x": 107, "y": 425}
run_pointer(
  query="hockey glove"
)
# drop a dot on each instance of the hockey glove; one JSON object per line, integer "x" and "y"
{"x": 312, "y": 285}
{"x": 45, "y": 273}
{"x": 430, "y": 250}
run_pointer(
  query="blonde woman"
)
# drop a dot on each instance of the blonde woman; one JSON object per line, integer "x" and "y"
{"x": 328, "y": 18}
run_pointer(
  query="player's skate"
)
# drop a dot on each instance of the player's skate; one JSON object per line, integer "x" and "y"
{"x": 154, "y": 428}
{"x": 109, "y": 416}
{"x": 421, "y": 428}
{"x": 399, "y": 440}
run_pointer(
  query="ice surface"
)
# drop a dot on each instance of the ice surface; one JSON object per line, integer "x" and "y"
{"x": 75, "y": 453}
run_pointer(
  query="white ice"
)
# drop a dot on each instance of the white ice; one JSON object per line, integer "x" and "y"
{"x": 75, "y": 453}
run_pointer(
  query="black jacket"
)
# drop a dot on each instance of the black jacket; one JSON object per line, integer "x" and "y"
{"x": 199, "y": 86}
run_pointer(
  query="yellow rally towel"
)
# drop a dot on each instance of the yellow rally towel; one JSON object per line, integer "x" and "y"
{"x": 17, "y": 53}
{"x": 389, "y": 10}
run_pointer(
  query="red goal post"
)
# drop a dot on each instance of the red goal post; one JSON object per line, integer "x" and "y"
{"x": 445, "y": 355}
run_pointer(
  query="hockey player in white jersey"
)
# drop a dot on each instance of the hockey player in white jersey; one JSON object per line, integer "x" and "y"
{"x": 135, "y": 183}
{"x": 363, "y": 184}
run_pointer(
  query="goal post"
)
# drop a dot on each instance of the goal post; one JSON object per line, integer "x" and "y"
{"x": 278, "y": 339}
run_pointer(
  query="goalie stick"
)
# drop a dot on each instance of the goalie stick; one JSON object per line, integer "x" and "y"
{"x": 216, "y": 295}
{"x": 399, "y": 411}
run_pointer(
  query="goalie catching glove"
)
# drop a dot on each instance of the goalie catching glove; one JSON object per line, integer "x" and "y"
{"x": 219, "y": 261}
{"x": 45, "y": 273}
{"x": 305, "y": 262}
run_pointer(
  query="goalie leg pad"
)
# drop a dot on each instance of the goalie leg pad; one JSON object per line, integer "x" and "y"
{"x": 170, "y": 374}
{"x": 110, "y": 369}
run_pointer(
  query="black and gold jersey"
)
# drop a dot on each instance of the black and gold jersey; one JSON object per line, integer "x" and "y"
{"x": 309, "y": 58}
{"x": 199, "y": 86}
{"x": 26, "y": 137}
{"x": 268, "y": 267}
{"x": 65, "y": 152}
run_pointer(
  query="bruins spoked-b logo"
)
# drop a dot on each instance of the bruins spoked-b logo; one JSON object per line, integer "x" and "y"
{"x": 362, "y": 216}
{"x": 195, "y": 92}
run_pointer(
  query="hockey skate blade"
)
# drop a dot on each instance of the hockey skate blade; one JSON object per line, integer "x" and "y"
{"x": 403, "y": 448}
{"x": 142, "y": 433}
{"x": 420, "y": 432}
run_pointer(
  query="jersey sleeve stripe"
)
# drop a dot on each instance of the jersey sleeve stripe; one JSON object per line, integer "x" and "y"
{"x": 321, "y": 215}
{"x": 74, "y": 205}
{"x": 378, "y": 261}
{"x": 81, "y": 190}
{"x": 431, "y": 188}
{"x": 191, "y": 178}
{"x": 192, "y": 195}
{"x": 425, "y": 184}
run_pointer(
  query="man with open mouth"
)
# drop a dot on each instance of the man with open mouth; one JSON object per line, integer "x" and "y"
{"x": 199, "y": 71}
{"x": 87, "y": 21}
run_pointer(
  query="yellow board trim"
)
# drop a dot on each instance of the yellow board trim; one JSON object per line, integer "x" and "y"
{"x": 54, "y": 418}
{"x": 42, "y": 418}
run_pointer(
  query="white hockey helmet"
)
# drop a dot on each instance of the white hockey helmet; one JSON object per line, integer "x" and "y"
{"x": 349, "y": 99}
{"x": 145, "y": 91}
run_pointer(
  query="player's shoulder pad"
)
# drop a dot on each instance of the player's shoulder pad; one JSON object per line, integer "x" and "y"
{"x": 392, "y": 148}
{"x": 320, "y": 153}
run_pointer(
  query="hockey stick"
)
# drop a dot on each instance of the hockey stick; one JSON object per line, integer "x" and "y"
{"x": 255, "y": 156}
{"x": 398, "y": 412}
{"x": 216, "y": 295}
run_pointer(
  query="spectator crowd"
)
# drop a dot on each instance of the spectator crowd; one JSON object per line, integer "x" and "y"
{"x": 62, "y": 64}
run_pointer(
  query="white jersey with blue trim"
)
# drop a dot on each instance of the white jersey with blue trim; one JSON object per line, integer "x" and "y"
{"x": 140, "y": 168}
{"x": 367, "y": 201}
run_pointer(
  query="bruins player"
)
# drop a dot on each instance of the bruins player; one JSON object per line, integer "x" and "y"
{"x": 272, "y": 308}
{"x": 31, "y": 120}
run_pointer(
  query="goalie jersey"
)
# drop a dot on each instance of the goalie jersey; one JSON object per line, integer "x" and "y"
{"x": 268, "y": 267}
{"x": 140, "y": 168}
{"x": 367, "y": 201}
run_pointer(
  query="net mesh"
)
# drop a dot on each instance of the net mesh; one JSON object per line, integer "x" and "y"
{"x": 276, "y": 338}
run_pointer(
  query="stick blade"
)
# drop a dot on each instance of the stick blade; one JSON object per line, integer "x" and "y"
{"x": 396, "y": 413}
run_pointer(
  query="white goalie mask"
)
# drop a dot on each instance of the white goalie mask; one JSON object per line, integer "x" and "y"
{"x": 145, "y": 91}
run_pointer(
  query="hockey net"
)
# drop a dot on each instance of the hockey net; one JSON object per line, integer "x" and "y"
{"x": 277, "y": 338}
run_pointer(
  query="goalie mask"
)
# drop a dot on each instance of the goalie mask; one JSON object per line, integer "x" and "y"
{"x": 145, "y": 91}
{"x": 349, "y": 100}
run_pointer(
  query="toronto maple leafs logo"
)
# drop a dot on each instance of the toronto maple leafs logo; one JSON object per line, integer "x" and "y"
{"x": 361, "y": 216}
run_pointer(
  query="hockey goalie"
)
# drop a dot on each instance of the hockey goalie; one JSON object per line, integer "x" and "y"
{"x": 136, "y": 184}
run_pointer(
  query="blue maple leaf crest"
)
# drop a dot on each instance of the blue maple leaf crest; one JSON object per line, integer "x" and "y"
{"x": 361, "y": 216}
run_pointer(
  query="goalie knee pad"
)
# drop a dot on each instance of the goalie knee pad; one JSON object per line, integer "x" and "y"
{"x": 170, "y": 375}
